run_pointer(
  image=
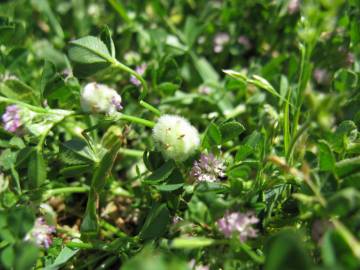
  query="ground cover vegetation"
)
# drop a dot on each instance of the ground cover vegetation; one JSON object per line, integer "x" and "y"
{"x": 179, "y": 134}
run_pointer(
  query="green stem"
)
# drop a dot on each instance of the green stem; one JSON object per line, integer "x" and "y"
{"x": 80, "y": 245}
{"x": 112, "y": 229}
{"x": 150, "y": 107}
{"x": 23, "y": 104}
{"x": 131, "y": 152}
{"x": 294, "y": 140}
{"x": 137, "y": 120}
{"x": 125, "y": 68}
{"x": 66, "y": 190}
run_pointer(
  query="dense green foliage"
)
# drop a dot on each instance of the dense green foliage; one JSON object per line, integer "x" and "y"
{"x": 270, "y": 93}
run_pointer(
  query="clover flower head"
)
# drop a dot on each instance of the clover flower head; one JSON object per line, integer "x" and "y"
{"x": 99, "y": 98}
{"x": 12, "y": 119}
{"x": 207, "y": 169}
{"x": 238, "y": 223}
{"x": 41, "y": 233}
{"x": 175, "y": 137}
{"x": 140, "y": 70}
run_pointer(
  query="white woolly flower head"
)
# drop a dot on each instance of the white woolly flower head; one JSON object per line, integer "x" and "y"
{"x": 175, "y": 137}
{"x": 99, "y": 98}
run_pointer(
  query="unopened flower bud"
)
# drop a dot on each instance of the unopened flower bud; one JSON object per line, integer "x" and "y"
{"x": 99, "y": 98}
{"x": 175, "y": 137}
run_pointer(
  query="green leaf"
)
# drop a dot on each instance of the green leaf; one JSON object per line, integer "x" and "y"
{"x": 7, "y": 256}
{"x": 327, "y": 249}
{"x": 191, "y": 242}
{"x": 156, "y": 222}
{"x": 49, "y": 75}
{"x": 231, "y": 130}
{"x": 89, "y": 50}
{"x": 90, "y": 55}
{"x": 77, "y": 151}
{"x": 345, "y": 80}
{"x": 169, "y": 187}
{"x": 212, "y": 136}
{"x": 107, "y": 39}
{"x": 21, "y": 219}
{"x": 292, "y": 256}
{"x": 206, "y": 71}
{"x": 344, "y": 201}
{"x": 162, "y": 173}
{"x": 11, "y": 32}
{"x": 64, "y": 256}
{"x": 326, "y": 157}
{"x": 264, "y": 84}
{"x": 89, "y": 226}
{"x": 103, "y": 171}
{"x": 36, "y": 169}
{"x": 236, "y": 75}
{"x": 153, "y": 160}
{"x": 26, "y": 256}
{"x": 14, "y": 88}
{"x": 347, "y": 166}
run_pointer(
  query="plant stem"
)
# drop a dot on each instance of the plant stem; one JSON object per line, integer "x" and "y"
{"x": 80, "y": 245}
{"x": 125, "y": 68}
{"x": 131, "y": 152}
{"x": 150, "y": 107}
{"x": 23, "y": 104}
{"x": 294, "y": 140}
{"x": 66, "y": 190}
{"x": 137, "y": 120}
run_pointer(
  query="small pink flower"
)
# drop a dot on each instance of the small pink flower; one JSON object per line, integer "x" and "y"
{"x": 12, "y": 118}
{"x": 238, "y": 223}
{"x": 41, "y": 233}
{"x": 207, "y": 169}
{"x": 140, "y": 70}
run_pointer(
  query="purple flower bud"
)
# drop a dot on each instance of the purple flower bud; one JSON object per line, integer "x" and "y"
{"x": 207, "y": 169}
{"x": 140, "y": 70}
{"x": 41, "y": 233}
{"x": 238, "y": 223}
{"x": 12, "y": 118}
